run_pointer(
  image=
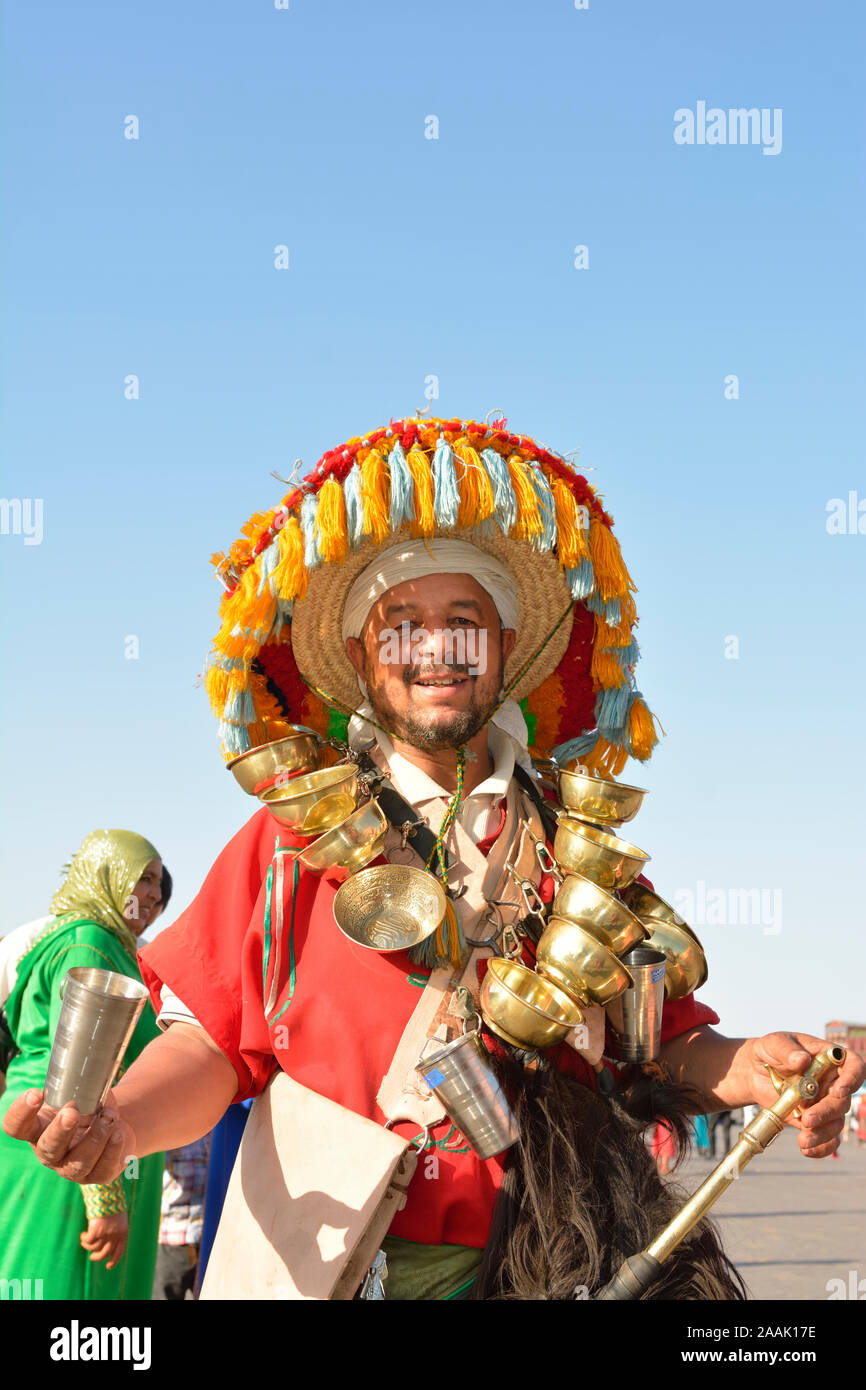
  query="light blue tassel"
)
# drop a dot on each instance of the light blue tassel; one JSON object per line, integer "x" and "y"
{"x": 608, "y": 609}
{"x": 546, "y": 507}
{"x": 270, "y": 560}
{"x": 504, "y": 501}
{"x": 309, "y": 507}
{"x": 354, "y": 508}
{"x": 627, "y": 656}
{"x": 446, "y": 498}
{"x": 581, "y": 581}
{"x": 402, "y": 510}
{"x": 235, "y": 739}
{"x": 239, "y": 708}
{"x": 611, "y": 712}
{"x": 284, "y": 615}
{"x": 574, "y": 749}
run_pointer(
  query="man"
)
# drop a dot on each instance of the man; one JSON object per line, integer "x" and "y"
{"x": 458, "y": 591}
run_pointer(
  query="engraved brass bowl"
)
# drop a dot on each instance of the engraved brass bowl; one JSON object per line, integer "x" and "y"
{"x": 315, "y": 803}
{"x": 594, "y": 799}
{"x": 350, "y": 845}
{"x": 390, "y": 907}
{"x": 284, "y": 758}
{"x": 580, "y": 964}
{"x": 599, "y": 913}
{"x": 596, "y": 854}
{"x": 686, "y": 968}
{"x": 523, "y": 1008}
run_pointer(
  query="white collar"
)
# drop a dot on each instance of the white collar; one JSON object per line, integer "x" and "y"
{"x": 417, "y": 787}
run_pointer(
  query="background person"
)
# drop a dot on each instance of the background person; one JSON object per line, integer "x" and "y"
{"x": 105, "y": 1246}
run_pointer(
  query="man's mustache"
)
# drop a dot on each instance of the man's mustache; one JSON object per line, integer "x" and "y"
{"x": 435, "y": 670}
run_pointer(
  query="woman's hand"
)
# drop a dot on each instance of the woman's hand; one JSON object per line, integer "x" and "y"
{"x": 106, "y": 1235}
{"x": 82, "y": 1148}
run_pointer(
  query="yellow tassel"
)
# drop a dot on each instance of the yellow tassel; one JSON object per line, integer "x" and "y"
{"x": 528, "y": 525}
{"x": 447, "y": 938}
{"x": 606, "y": 670}
{"x": 628, "y": 608}
{"x": 641, "y": 730}
{"x": 568, "y": 545}
{"x": 216, "y": 683}
{"x": 422, "y": 477}
{"x": 289, "y": 579}
{"x": 607, "y": 636}
{"x": 476, "y": 491}
{"x": 611, "y": 575}
{"x": 375, "y": 490}
{"x": 331, "y": 529}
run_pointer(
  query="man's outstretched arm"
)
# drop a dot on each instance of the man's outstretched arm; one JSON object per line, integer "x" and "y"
{"x": 175, "y": 1092}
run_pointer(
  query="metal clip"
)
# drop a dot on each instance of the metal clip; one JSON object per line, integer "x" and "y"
{"x": 406, "y": 830}
{"x": 533, "y": 903}
{"x": 373, "y": 1286}
{"x": 511, "y": 943}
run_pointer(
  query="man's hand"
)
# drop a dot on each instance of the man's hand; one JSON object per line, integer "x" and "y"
{"x": 789, "y": 1054}
{"x": 82, "y": 1148}
{"x": 106, "y": 1235}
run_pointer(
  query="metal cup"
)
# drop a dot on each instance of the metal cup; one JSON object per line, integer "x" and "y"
{"x": 463, "y": 1079}
{"x": 636, "y": 1015}
{"x": 98, "y": 1017}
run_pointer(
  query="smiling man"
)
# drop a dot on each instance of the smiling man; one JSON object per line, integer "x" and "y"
{"x": 447, "y": 527}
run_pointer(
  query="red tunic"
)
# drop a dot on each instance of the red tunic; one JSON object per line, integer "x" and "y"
{"x": 339, "y": 1014}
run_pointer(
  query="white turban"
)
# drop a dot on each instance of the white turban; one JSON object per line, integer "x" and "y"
{"x": 415, "y": 560}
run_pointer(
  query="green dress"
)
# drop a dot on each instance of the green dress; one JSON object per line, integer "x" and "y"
{"x": 42, "y": 1215}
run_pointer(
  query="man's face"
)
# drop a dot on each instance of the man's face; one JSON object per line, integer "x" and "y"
{"x": 431, "y": 655}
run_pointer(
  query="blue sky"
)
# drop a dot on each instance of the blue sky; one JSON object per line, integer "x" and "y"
{"x": 452, "y": 257}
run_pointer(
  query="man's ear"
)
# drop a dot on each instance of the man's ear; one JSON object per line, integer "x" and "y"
{"x": 509, "y": 637}
{"x": 355, "y": 653}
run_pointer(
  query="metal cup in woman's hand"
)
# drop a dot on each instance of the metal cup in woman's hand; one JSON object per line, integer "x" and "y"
{"x": 97, "y": 1019}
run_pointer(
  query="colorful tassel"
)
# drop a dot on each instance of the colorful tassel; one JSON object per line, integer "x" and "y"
{"x": 422, "y": 478}
{"x": 312, "y": 555}
{"x": 289, "y": 579}
{"x": 611, "y": 576}
{"x": 529, "y": 526}
{"x": 402, "y": 510}
{"x": 546, "y": 506}
{"x": 374, "y": 495}
{"x": 581, "y": 580}
{"x": 574, "y": 750}
{"x": 476, "y": 491}
{"x": 331, "y": 534}
{"x": 446, "y": 498}
{"x": 605, "y": 670}
{"x": 569, "y": 550}
{"x": 504, "y": 501}
{"x": 447, "y": 945}
{"x": 642, "y": 736}
{"x": 611, "y": 710}
{"x": 354, "y": 509}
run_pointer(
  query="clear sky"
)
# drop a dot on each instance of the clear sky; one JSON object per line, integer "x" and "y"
{"x": 451, "y": 257}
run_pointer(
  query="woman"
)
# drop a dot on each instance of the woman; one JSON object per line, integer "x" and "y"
{"x": 105, "y": 1247}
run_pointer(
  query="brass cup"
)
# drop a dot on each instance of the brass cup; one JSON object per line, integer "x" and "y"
{"x": 524, "y": 1009}
{"x": 596, "y": 854}
{"x": 599, "y": 913}
{"x": 686, "y": 968}
{"x": 580, "y": 964}
{"x": 390, "y": 907}
{"x": 315, "y": 803}
{"x": 645, "y": 903}
{"x": 283, "y": 758}
{"x": 594, "y": 799}
{"x": 350, "y": 845}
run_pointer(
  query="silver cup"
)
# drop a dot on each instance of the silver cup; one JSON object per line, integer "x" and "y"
{"x": 463, "y": 1079}
{"x": 97, "y": 1019}
{"x": 635, "y": 1017}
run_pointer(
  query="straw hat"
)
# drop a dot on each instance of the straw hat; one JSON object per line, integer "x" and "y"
{"x": 279, "y": 657}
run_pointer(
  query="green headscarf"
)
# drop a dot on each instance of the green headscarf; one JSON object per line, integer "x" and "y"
{"x": 100, "y": 879}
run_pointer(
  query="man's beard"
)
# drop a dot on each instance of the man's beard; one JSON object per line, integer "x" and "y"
{"x": 432, "y": 729}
